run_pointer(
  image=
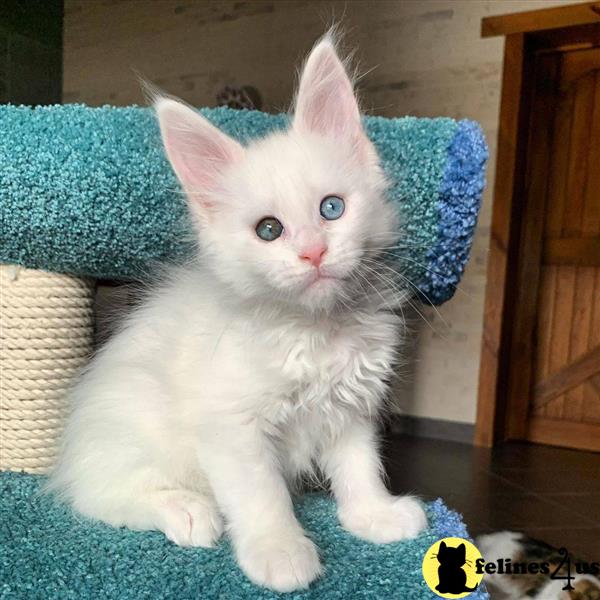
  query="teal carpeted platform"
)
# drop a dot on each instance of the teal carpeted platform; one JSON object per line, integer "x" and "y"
{"x": 48, "y": 553}
{"x": 89, "y": 191}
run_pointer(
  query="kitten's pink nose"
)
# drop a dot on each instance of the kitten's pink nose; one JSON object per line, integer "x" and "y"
{"x": 313, "y": 254}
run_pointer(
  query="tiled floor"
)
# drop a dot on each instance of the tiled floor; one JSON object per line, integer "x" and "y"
{"x": 550, "y": 493}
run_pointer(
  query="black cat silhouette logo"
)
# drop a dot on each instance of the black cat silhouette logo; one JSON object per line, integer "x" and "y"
{"x": 449, "y": 568}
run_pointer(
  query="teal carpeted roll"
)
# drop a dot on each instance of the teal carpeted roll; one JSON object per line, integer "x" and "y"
{"x": 47, "y": 553}
{"x": 88, "y": 191}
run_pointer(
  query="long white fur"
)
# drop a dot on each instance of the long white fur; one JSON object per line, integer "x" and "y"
{"x": 242, "y": 372}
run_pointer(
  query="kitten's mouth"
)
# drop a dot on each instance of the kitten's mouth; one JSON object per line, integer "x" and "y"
{"x": 319, "y": 276}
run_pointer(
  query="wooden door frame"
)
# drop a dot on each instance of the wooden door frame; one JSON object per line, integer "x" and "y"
{"x": 515, "y": 240}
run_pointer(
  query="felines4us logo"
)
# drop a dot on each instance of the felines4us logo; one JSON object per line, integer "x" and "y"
{"x": 454, "y": 568}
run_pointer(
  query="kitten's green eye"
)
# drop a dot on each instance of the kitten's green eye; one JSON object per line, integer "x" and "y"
{"x": 332, "y": 207}
{"x": 269, "y": 229}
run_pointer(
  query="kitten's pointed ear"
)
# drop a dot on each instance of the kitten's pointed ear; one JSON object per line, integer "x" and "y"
{"x": 442, "y": 545}
{"x": 196, "y": 149}
{"x": 325, "y": 102}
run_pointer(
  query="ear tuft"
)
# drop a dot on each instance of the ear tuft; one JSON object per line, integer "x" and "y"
{"x": 198, "y": 152}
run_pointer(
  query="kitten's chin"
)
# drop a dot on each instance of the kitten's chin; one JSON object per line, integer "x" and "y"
{"x": 321, "y": 294}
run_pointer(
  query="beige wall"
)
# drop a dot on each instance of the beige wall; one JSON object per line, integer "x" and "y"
{"x": 427, "y": 59}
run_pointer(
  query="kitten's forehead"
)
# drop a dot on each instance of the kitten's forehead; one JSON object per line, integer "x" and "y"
{"x": 289, "y": 167}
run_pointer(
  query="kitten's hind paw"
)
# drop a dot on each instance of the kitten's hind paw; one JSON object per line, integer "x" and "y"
{"x": 389, "y": 520}
{"x": 189, "y": 518}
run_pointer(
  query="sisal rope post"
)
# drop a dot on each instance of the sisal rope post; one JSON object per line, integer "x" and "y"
{"x": 46, "y": 337}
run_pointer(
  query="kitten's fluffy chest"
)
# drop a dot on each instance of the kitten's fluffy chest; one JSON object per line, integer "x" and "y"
{"x": 332, "y": 366}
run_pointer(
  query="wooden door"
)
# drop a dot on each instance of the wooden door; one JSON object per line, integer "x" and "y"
{"x": 540, "y": 357}
{"x": 564, "y": 402}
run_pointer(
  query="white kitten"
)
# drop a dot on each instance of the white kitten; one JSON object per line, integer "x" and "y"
{"x": 264, "y": 360}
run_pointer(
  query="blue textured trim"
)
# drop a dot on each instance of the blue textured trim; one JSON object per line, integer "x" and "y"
{"x": 458, "y": 204}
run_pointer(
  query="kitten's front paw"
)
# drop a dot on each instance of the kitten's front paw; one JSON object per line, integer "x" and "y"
{"x": 390, "y": 520}
{"x": 281, "y": 562}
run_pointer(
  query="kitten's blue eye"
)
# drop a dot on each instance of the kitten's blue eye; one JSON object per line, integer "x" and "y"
{"x": 332, "y": 208}
{"x": 269, "y": 229}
